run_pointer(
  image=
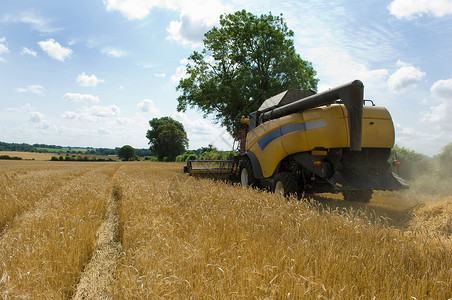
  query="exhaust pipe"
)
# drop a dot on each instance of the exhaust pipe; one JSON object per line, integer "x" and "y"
{"x": 351, "y": 95}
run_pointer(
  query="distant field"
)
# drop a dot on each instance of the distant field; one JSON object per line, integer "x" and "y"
{"x": 144, "y": 230}
{"x": 46, "y": 156}
{"x": 29, "y": 155}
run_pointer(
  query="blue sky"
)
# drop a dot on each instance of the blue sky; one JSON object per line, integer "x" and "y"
{"x": 94, "y": 72}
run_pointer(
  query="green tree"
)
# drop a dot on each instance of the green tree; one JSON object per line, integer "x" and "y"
{"x": 244, "y": 61}
{"x": 444, "y": 160}
{"x": 167, "y": 138}
{"x": 188, "y": 155}
{"x": 126, "y": 153}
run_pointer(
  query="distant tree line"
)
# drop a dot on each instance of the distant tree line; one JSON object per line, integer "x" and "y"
{"x": 47, "y": 146}
{"x": 44, "y": 148}
{"x": 78, "y": 158}
{"x": 17, "y": 147}
{"x": 10, "y": 157}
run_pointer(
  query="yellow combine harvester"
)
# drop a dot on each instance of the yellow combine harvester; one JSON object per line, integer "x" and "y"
{"x": 299, "y": 141}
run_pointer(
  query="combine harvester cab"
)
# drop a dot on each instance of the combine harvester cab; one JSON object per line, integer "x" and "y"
{"x": 300, "y": 141}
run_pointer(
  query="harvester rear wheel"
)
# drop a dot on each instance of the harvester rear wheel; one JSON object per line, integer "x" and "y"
{"x": 285, "y": 184}
{"x": 246, "y": 173}
{"x": 358, "y": 196}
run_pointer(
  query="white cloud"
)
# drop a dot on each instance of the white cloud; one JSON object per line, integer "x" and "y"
{"x": 133, "y": 9}
{"x": 69, "y": 115}
{"x": 85, "y": 80}
{"x": 40, "y": 122}
{"x": 411, "y": 133}
{"x": 26, "y": 51}
{"x": 324, "y": 37}
{"x": 421, "y": 139}
{"x": 75, "y": 132}
{"x": 84, "y": 98}
{"x": 125, "y": 121}
{"x": 406, "y": 76}
{"x": 192, "y": 24}
{"x": 35, "y": 89}
{"x": 93, "y": 113}
{"x": 181, "y": 71}
{"x": 104, "y": 111}
{"x": 202, "y": 132}
{"x": 3, "y": 48}
{"x": 55, "y": 50}
{"x": 160, "y": 75}
{"x": 103, "y": 131}
{"x": 443, "y": 88}
{"x": 413, "y": 8}
{"x": 92, "y": 43}
{"x": 24, "y": 108}
{"x": 441, "y": 113}
{"x": 113, "y": 52}
{"x": 338, "y": 67}
{"x": 35, "y": 117}
{"x": 148, "y": 106}
{"x": 187, "y": 31}
{"x": 36, "y": 22}
{"x": 27, "y": 106}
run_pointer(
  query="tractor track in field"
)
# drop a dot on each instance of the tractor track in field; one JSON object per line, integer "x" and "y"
{"x": 41, "y": 207}
{"x": 96, "y": 281}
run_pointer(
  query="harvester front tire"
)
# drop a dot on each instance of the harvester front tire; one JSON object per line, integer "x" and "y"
{"x": 363, "y": 196}
{"x": 285, "y": 184}
{"x": 246, "y": 174}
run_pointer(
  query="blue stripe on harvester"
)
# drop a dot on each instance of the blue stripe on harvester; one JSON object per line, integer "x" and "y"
{"x": 271, "y": 136}
{"x": 268, "y": 138}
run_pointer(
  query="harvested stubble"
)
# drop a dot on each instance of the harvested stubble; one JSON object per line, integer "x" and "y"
{"x": 434, "y": 219}
{"x": 184, "y": 237}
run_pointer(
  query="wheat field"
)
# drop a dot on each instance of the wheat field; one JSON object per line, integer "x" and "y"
{"x": 142, "y": 230}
